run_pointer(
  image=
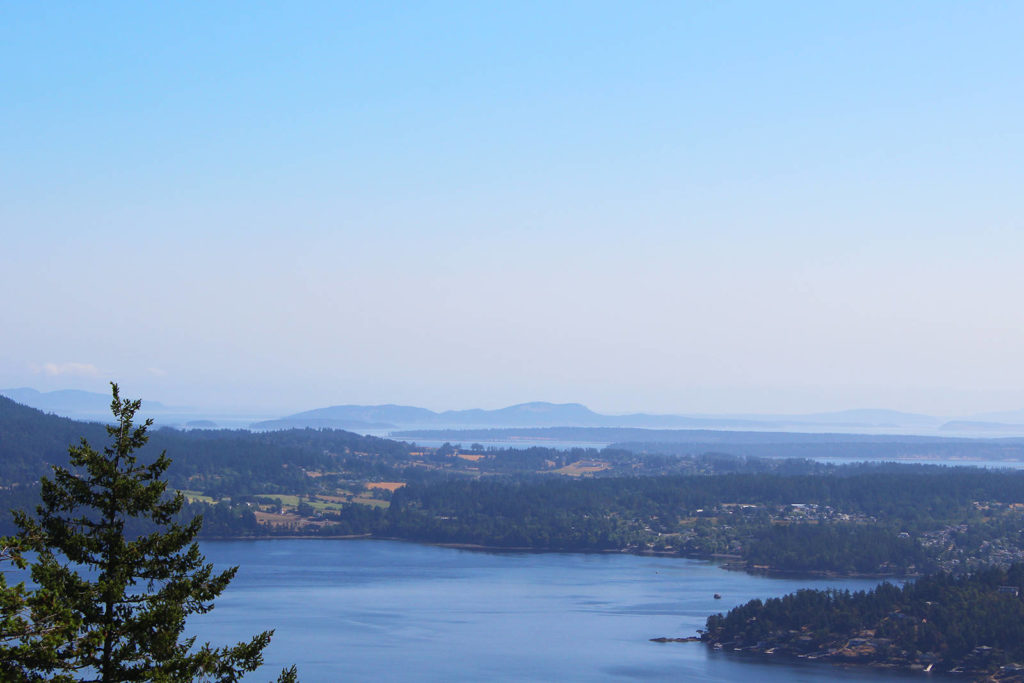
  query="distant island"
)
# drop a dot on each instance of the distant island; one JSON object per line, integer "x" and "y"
{"x": 757, "y": 444}
{"x": 539, "y": 414}
{"x": 84, "y": 404}
{"x": 969, "y": 624}
{"x": 534, "y": 414}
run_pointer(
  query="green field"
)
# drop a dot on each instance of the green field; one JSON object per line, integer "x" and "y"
{"x": 196, "y": 497}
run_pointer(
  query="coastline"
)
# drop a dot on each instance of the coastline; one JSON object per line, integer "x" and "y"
{"x": 728, "y": 562}
{"x": 847, "y": 661}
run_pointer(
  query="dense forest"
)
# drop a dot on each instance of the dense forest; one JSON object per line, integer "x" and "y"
{"x": 856, "y": 521}
{"x": 972, "y": 623}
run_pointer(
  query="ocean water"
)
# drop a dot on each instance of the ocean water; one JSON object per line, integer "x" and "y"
{"x": 598, "y": 445}
{"x": 392, "y": 611}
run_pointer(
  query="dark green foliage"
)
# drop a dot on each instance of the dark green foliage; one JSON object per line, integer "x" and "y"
{"x": 32, "y": 441}
{"x": 547, "y": 512}
{"x": 847, "y": 548}
{"x": 973, "y": 621}
{"x": 217, "y": 462}
{"x": 229, "y": 463}
{"x": 33, "y": 624}
{"x": 110, "y": 604}
{"x": 595, "y": 514}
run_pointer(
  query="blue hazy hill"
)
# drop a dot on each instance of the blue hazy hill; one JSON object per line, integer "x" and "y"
{"x": 544, "y": 414}
{"x": 69, "y": 402}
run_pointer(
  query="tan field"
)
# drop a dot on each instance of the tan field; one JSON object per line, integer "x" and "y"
{"x": 386, "y": 485}
{"x": 582, "y": 467}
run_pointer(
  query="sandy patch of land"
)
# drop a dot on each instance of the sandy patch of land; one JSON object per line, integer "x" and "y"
{"x": 386, "y": 485}
{"x": 581, "y": 467}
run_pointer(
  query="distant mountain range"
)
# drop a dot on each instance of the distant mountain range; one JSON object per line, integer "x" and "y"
{"x": 95, "y": 407}
{"x": 541, "y": 414}
{"x": 69, "y": 402}
{"x": 537, "y": 414}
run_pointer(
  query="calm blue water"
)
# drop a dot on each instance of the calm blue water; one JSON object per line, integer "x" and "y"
{"x": 598, "y": 445}
{"x": 390, "y": 611}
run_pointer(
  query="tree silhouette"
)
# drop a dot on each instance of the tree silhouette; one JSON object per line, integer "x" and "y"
{"x": 115, "y": 575}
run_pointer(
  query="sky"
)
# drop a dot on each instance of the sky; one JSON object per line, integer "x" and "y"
{"x": 695, "y": 207}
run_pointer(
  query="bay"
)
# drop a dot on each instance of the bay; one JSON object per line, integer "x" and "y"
{"x": 385, "y": 610}
{"x": 519, "y": 444}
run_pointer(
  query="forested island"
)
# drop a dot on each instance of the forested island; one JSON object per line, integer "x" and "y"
{"x": 969, "y": 624}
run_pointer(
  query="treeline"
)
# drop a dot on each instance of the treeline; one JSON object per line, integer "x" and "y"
{"x": 863, "y": 521}
{"x": 224, "y": 519}
{"x": 230, "y": 463}
{"x": 841, "y": 548}
{"x": 32, "y": 441}
{"x": 686, "y": 514}
{"x": 218, "y": 462}
{"x": 970, "y": 622}
{"x": 912, "y": 495}
{"x": 758, "y": 444}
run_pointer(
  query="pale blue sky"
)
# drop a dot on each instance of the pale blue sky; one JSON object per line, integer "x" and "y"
{"x": 678, "y": 207}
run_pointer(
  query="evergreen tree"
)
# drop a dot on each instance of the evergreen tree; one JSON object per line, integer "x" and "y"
{"x": 116, "y": 576}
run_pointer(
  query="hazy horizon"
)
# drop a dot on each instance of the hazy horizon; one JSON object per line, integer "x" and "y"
{"x": 194, "y": 410}
{"x": 691, "y": 208}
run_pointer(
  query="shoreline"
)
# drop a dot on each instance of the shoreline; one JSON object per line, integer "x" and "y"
{"x": 721, "y": 559}
{"x": 903, "y": 667}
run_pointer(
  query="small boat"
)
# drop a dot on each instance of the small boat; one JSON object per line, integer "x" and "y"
{"x": 718, "y": 596}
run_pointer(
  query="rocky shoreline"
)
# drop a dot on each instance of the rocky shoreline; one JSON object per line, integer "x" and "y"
{"x": 868, "y": 651}
{"x": 687, "y": 639}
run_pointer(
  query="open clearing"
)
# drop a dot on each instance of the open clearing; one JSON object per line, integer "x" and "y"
{"x": 582, "y": 467}
{"x": 386, "y": 485}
